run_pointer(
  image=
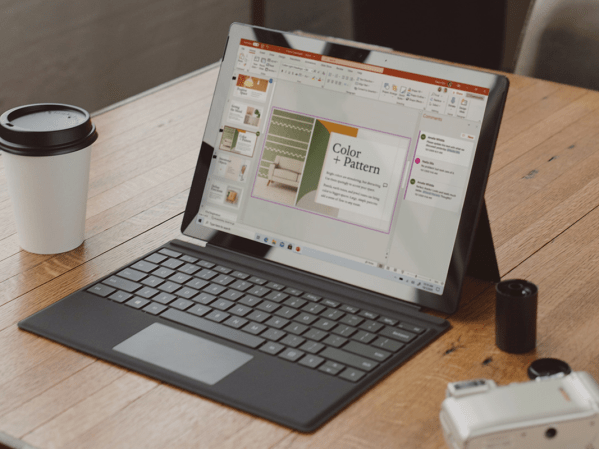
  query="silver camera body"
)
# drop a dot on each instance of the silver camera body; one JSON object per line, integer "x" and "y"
{"x": 560, "y": 412}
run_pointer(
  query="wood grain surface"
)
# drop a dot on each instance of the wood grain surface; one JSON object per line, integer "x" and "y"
{"x": 542, "y": 199}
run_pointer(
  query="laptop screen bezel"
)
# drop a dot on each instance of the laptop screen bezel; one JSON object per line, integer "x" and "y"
{"x": 498, "y": 85}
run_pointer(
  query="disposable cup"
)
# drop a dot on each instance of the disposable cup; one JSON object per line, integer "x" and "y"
{"x": 46, "y": 155}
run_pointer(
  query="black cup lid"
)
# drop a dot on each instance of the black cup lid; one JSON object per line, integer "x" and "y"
{"x": 548, "y": 367}
{"x": 516, "y": 288}
{"x": 46, "y": 129}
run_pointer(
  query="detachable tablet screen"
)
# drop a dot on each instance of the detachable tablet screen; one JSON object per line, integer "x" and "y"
{"x": 365, "y": 167}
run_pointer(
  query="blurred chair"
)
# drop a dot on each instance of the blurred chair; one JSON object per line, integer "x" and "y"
{"x": 463, "y": 31}
{"x": 560, "y": 42}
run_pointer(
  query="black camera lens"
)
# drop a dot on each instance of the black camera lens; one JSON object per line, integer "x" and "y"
{"x": 551, "y": 432}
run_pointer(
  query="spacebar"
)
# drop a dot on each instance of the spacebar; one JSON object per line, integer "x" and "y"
{"x": 210, "y": 327}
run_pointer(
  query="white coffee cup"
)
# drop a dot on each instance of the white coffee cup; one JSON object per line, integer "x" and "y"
{"x": 46, "y": 154}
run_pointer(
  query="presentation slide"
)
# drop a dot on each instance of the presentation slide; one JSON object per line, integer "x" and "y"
{"x": 225, "y": 194}
{"x": 251, "y": 87}
{"x": 238, "y": 141}
{"x": 243, "y": 114}
{"x": 332, "y": 169}
{"x": 231, "y": 167}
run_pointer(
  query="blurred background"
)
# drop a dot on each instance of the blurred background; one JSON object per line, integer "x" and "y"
{"x": 95, "y": 53}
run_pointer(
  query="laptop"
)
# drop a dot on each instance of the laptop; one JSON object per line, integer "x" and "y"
{"x": 338, "y": 193}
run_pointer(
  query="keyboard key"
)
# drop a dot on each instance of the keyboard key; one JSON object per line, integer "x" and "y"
{"x": 367, "y": 351}
{"x": 200, "y": 310}
{"x": 312, "y": 347}
{"x": 388, "y": 321}
{"x": 259, "y": 316}
{"x": 268, "y": 306}
{"x": 277, "y": 296}
{"x": 152, "y": 281}
{"x": 364, "y": 337}
{"x": 144, "y": 265}
{"x": 296, "y": 328}
{"x": 331, "y": 368}
{"x": 206, "y": 274}
{"x": 257, "y": 280}
{"x": 351, "y": 320}
{"x": 204, "y": 298}
{"x": 173, "y": 264}
{"x": 313, "y": 308}
{"x": 223, "y": 279}
{"x": 371, "y": 326}
{"x": 240, "y": 310}
{"x": 311, "y": 361}
{"x": 388, "y": 344}
{"x": 335, "y": 340}
{"x": 169, "y": 287}
{"x": 277, "y": 322}
{"x": 156, "y": 258}
{"x": 311, "y": 297}
{"x": 293, "y": 340}
{"x": 272, "y": 348}
{"x": 164, "y": 298}
{"x": 325, "y": 325}
{"x": 169, "y": 252}
{"x": 295, "y": 302}
{"x": 222, "y": 269}
{"x": 120, "y": 296}
{"x": 411, "y": 328}
{"x": 254, "y": 328}
{"x": 163, "y": 272}
{"x": 217, "y": 315}
{"x": 122, "y": 284}
{"x": 187, "y": 292}
{"x": 240, "y": 285}
{"x": 205, "y": 264}
{"x": 352, "y": 374}
{"x": 370, "y": 315}
{"x": 189, "y": 259}
{"x": 344, "y": 330}
{"x": 214, "y": 289}
{"x": 315, "y": 334}
{"x": 250, "y": 300}
{"x": 137, "y": 303}
{"x": 332, "y": 314}
{"x": 154, "y": 308}
{"x": 232, "y": 295}
{"x": 287, "y": 312}
{"x": 219, "y": 330}
{"x": 349, "y": 309}
{"x": 305, "y": 318}
{"x": 259, "y": 291}
{"x": 346, "y": 358}
{"x": 189, "y": 268}
{"x": 147, "y": 292}
{"x": 221, "y": 304}
{"x": 180, "y": 278}
{"x": 181, "y": 304}
{"x": 275, "y": 286}
{"x": 236, "y": 322}
{"x": 397, "y": 334}
{"x": 330, "y": 303}
{"x": 291, "y": 354}
{"x": 240, "y": 275}
{"x": 274, "y": 334}
{"x": 293, "y": 291}
{"x": 101, "y": 290}
{"x": 197, "y": 283}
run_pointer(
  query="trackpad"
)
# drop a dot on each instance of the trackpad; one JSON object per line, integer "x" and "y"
{"x": 183, "y": 353}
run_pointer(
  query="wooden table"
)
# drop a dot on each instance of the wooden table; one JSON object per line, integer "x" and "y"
{"x": 542, "y": 198}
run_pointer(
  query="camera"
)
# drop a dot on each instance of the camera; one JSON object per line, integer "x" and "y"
{"x": 558, "y": 411}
